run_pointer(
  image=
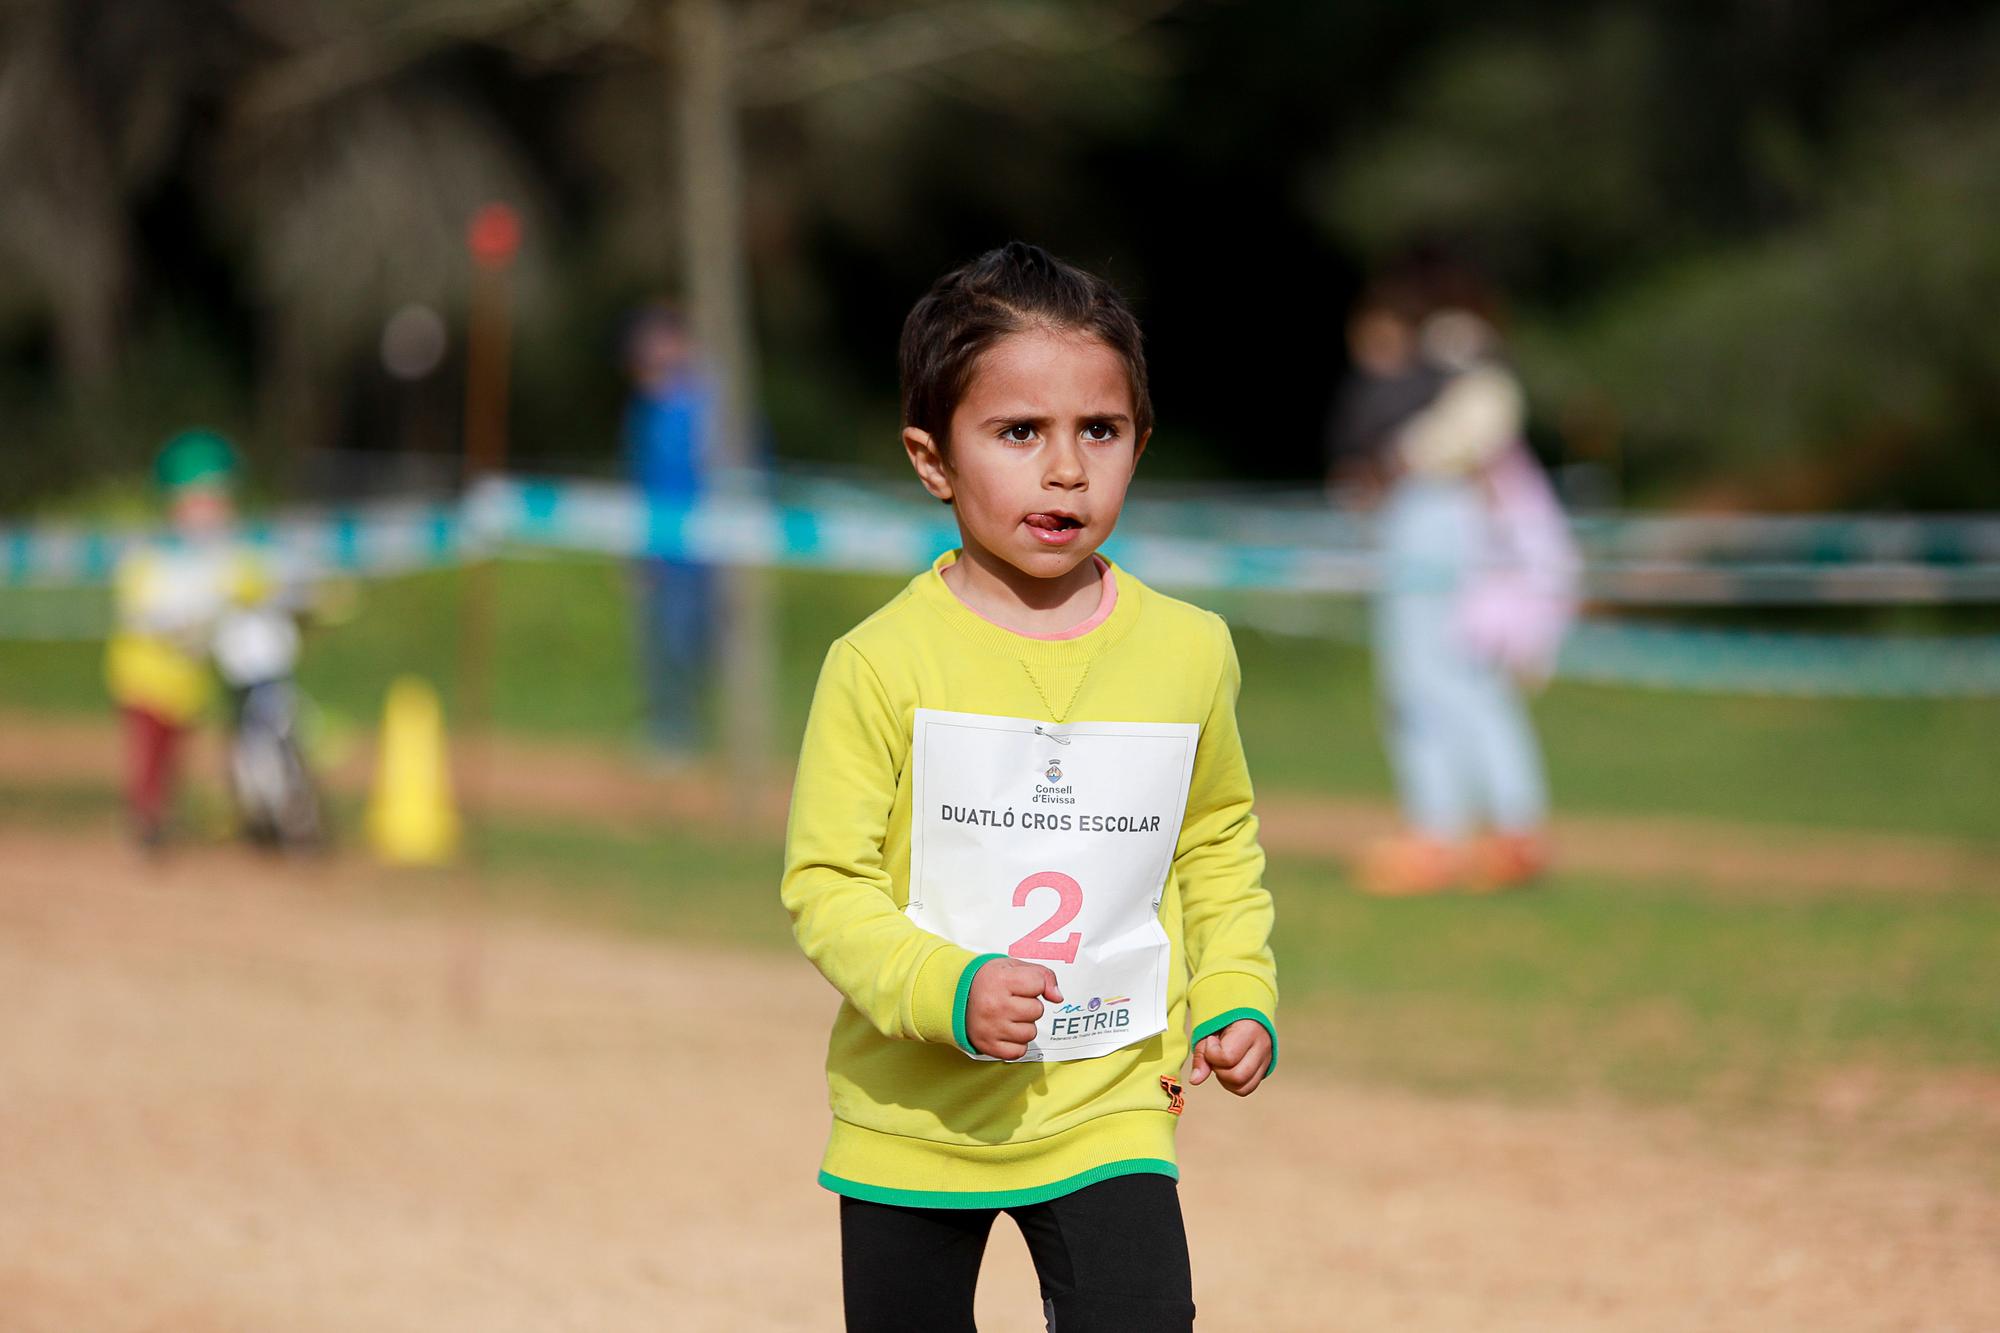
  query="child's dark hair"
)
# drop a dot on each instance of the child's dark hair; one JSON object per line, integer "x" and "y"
{"x": 1009, "y": 290}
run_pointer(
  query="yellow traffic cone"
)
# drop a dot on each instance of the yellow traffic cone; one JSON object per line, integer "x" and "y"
{"x": 411, "y": 819}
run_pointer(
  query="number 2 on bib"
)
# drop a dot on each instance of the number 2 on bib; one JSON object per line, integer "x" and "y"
{"x": 1036, "y": 944}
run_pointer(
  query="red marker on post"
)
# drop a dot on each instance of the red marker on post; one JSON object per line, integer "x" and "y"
{"x": 494, "y": 236}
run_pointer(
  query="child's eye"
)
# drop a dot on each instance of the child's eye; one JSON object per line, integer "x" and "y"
{"x": 1100, "y": 431}
{"x": 1018, "y": 434}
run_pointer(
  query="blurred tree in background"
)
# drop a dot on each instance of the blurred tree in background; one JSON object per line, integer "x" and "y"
{"x": 1744, "y": 246}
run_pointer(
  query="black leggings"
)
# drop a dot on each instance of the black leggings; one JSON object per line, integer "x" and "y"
{"x": 1112, "y": 1258}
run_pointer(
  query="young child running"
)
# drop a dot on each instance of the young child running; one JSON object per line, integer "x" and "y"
{"x": 1021, "y": 842}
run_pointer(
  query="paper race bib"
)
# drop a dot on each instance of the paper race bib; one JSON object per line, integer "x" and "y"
{"x": 1052, "y": 844}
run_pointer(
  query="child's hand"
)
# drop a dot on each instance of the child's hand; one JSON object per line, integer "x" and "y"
{"x": 1005, "y": 1001}
{"x": 1238, "y": 1055}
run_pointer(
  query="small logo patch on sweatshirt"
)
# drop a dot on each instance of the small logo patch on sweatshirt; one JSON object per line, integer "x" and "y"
{"x": 1176, "y": 1099}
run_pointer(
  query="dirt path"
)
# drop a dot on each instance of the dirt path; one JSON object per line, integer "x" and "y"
{"x": 245, "y": 1098}
{"x": 593, "y": 784}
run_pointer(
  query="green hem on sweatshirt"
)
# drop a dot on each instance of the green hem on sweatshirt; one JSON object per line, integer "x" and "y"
{"x": 1138, "y": 1166}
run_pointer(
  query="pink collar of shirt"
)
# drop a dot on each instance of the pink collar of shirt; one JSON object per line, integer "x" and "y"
{"x": 1107, "y": 602}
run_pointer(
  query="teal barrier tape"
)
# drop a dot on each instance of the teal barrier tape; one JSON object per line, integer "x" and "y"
{"x": 441, "y": 530}
{"x": 347, "y": 541}
{"x": 818, "y": 524}
{"x": 666, "y": 531}
{"x": 100, "y": 556}
{"x": 539, "y": 503}
{"x": 1684, "y": 658}
{"x": 1695, "y": 561}
{"x": 801, "y": 531}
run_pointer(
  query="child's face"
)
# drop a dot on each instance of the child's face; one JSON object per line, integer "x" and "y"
{"x": 658, "y": 354}
{"x": 1380, "y": 343}
{"x": 201, "y": 510}
{"x": 1042, "y": 447}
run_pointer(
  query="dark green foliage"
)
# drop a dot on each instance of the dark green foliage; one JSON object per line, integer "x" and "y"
{"x": 1744, "y": 247}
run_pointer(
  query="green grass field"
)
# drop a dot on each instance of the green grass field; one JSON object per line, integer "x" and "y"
{"x": 564, "y": 666}
{"x": 1655, "y": 990}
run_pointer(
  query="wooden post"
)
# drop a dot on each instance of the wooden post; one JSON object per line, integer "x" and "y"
{"x": 493, "y": 238}
{"x": 716, "y": 271}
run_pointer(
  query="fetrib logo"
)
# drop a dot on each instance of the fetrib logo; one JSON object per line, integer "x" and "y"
{"x": 1095, "y": 1003}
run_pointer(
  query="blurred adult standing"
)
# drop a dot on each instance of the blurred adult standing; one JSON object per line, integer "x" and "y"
{"x": 1386, "y": 385}
{"x": 667, "y": 425}
{"x": 1477, "y": 583}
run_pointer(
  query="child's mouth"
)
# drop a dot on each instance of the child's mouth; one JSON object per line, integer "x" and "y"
{"x": 1054, "y": 529}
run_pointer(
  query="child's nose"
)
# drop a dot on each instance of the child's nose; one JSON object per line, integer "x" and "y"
{"x": 1065, "y": 466}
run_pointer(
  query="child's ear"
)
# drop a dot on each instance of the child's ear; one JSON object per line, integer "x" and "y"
{"x": 1139, "y": 450}
{"x": 927, "y": 457}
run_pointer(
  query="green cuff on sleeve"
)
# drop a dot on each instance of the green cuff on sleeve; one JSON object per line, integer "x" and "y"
{"x": 1227, "y": 997}
{"x": 936, "y": 996}
{"x": 965, "y": 994}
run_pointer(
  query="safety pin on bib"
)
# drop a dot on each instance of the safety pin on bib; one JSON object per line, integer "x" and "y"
{"x": 1059, "y": 740}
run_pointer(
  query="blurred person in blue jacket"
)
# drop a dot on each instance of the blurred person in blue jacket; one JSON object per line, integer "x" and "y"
{"x": 668, "y": 426}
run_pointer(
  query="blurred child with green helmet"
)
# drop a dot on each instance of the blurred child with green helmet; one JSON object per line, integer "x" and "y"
{"x": 168, "y": 594}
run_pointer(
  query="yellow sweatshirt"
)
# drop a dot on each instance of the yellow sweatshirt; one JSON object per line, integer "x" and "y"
{"x": 168, "y": 596}
{"x": 916, "y": 1121}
